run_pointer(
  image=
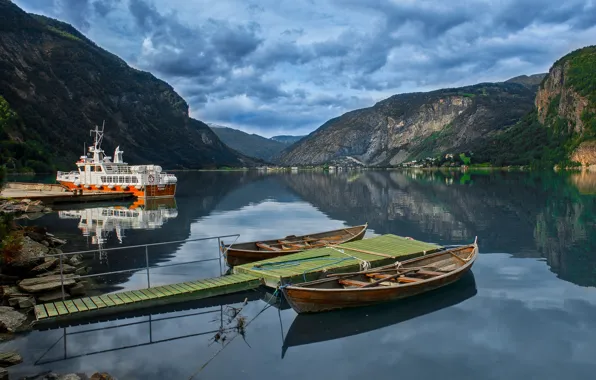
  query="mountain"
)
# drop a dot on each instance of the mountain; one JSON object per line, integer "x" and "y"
{"x": 287, "y": 139}
{"x": 56, "y": 85}
{"x": 561, "y": 129}
{"x": 530, "y": 81}
{"x": 249, "y": 144}
{"x": 416, "y": 125}
{"x": 566, "y": 103}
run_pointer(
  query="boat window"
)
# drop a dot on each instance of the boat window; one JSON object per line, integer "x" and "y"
{"x": 121, "y": 179}
{"x": 91, "y": 168}
{"x": 98, "y": 169}
{"x": 103, "y": 179}
{"x": 134, "y": 179}
{"x": 83, "y": 168}
{"x": 127, "y": 180}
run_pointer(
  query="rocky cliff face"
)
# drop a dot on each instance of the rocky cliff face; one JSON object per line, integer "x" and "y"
{"x": 566, "y": 102}
{"x": 557, "y": 98}
{"x": 60, "y": 84}
{"x": 416, "y": 125}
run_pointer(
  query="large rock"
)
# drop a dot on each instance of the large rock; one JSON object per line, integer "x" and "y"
{"x": 54, "y": 295}
{"x": 29, "y": 256}
{"x": 12, "y": 291}
{"x": 10, "y": 358}
{"x": 102, "y": 376}
{"x": 66, "y": 269}
{"x": 10, "y": 319}
{"x": 47, "y": 283}
{"x": 22, "y": 302}
{"x": 77, "y": 290}
{"x": 50, "y": 262}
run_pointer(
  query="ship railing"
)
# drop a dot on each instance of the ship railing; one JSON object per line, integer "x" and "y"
{"x": 144, "y": 248}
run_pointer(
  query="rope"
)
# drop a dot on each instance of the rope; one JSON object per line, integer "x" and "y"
{"x": 364, "y": 265}
{"x": 267, "y": 306}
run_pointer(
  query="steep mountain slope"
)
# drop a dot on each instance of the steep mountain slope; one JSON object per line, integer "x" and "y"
{"x": 249, "y": 144}
{"x": 562, "y": 127}
{"x": 287, "y": 139}
{"x": 56, "y": 85}
{"x": 566, "y": 102}
{"x": 415, "y": 125}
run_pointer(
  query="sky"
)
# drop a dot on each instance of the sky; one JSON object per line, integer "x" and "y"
{"x": 287, "y": 66}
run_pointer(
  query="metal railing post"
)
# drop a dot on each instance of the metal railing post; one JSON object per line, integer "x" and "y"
{"x": 219, "y": 255}
{"x": 62, "y": 279}
{"x": 147, "y": 263}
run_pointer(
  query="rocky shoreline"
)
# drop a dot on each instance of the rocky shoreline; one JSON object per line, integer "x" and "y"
{"x": 30, "y": 273}
{"x": 30, "y": 270}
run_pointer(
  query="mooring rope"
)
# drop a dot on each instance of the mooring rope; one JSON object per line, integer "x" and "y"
{"x": 364, "y": 265}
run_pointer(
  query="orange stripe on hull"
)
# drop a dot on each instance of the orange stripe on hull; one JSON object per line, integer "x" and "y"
{"x": 151, "y": 191}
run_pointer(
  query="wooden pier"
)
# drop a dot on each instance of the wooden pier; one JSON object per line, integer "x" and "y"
{"x": 52, "y": 193}
{"x": 295, "y": 268}
{"x": 121, "y": 302}
{"x": 316, "y": 263}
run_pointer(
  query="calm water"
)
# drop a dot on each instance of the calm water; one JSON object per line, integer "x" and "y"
{"x": 527, "y": 312}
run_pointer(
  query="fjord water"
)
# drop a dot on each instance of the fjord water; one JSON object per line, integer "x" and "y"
{"x": 526, "y": 311}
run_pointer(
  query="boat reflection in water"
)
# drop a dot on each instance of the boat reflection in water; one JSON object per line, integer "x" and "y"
{"x": 99, "y": 222}
{"x": 320, "y": 327}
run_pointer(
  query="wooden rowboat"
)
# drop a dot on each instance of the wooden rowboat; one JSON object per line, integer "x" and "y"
{"x": 388, "y": 283}
{"x": 320, "y": 327}
{"x": 241, "y": 253}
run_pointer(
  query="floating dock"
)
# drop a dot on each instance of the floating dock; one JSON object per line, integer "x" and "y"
{"x": 299, "y": 267}
{"x": 122, "y": 302}
{"x": 317, "y": 263}
{"x": 52, "y": 193}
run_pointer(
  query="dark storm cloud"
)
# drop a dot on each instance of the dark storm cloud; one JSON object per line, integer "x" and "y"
{"x": 176, "y": 49}
{"x": 283, "y": 63}
{"x": 103, "y": 7}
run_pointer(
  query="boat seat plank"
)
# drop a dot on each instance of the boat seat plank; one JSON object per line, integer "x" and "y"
{"x": 430, "y": 273}
{"x": 348, "y": 282}
{"x": 408, "y": 279}
{"x": 267, "y": 247}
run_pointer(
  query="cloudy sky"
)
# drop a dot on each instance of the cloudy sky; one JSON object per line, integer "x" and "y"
{"x": 287, "y": 66}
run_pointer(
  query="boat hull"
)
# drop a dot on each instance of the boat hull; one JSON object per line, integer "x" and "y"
{"x": 150, "y": 191}
{"x": 309, "y": 301}
{"x": 235, "y": 256}
{"x": 304, "y": 299}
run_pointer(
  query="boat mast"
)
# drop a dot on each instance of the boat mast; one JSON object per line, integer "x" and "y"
{"x": 96, "y": 150}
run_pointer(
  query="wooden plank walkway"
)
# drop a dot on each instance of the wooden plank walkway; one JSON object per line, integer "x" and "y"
{"x": 96, "y": 306}
{"x": 316, "y": 263}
